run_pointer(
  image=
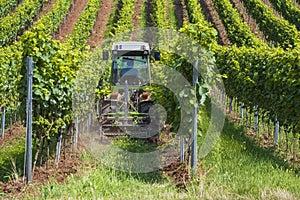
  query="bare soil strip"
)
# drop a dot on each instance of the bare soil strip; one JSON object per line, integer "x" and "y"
{"x": 269, "y": 4}
{"x": 167, "y": 11}
{"x": 69, "y": 163}
{"x": 149, "y": 10}
{"x": 136, "y": 17}
{"x": 72, "y": 18}
{"x": 181, "y": 13}
{"x": 213, "y": 17}
{"x": 97, "y": 35}
{"x": 185, "y": 12}
{"x": 247, "y": 18}
{"x": 47, "y": 7}
{"x": 137, "y": 14}
{"x": 43, "y": 11}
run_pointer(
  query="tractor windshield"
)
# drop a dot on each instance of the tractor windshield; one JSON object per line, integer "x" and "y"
{"x": 134, "y": 69}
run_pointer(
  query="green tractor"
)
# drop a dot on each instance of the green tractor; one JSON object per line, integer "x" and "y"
{"x": 128, "y": 109}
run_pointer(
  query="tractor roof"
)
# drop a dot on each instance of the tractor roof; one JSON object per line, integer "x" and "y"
{"x": 131, "y": 46}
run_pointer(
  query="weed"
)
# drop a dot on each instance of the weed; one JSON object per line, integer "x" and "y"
{"x": 14, "y": 173}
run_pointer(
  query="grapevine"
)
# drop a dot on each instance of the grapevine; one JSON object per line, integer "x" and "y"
{"x": 277, "y": 30}
{"x": 288, "y": 11}
{"x": 7, "y": 6}
{"x": 84, "y": 25}
{"x": 239, "y": 32}
{"x": 13, "y": 25}
{"x": 54, "y": 18}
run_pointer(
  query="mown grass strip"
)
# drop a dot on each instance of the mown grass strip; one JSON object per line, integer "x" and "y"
{"x": 242, "y": 169}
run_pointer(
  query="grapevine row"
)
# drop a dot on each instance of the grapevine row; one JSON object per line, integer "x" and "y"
{"x": 264, "y": 78}
{"x": 125, "y": 21}
{"x": 84, "y": 25}
{"x": 93, "y": 69}
{"x": 288, "y": 11}
{"x": 178, "y": 61}
{"x": 159, "y": 16}
{"x": 54, "y": 76}
{"x": 267, "y": 78}
{"x": 67, "y": 58}
{"x": 10, "y": 56}
{"x": 10, "y": 65}
{"x": 120, "y": 19}
{"x": 55, "y": 68}
{"x": 159, "y": 94}
{"x": 238, "y": 32}
{"x": 55, "y": 17}
{"x": 6, "y": 6}
{"x": 276, "y": 30}
{"x": 12, "y": 25}
{"x": 200, "y": 29}
{"x": 113, "y": 18}
{"x": 171, "y": 13}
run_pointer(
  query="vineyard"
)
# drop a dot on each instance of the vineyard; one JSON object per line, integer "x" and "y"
{"x": 254, "y": 45}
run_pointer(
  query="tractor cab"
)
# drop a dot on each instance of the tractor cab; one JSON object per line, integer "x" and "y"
{"x": 130, "y": 62}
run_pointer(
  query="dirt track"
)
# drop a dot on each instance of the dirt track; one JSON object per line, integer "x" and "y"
{"x": 97, "y": 34}
{"x": 213, "y": 17}
{"x": 71, "y": 19}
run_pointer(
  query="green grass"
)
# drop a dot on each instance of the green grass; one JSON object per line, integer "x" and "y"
{"x": 172, "y": 14}
{"x": 143, "y": 16}
{"x": 134, "y": 145}
{"x": 236, "y": 168}
{"x": 243, "y": 169}
{"x": 12, "y": 153}
{"x": 107, "y": 183}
